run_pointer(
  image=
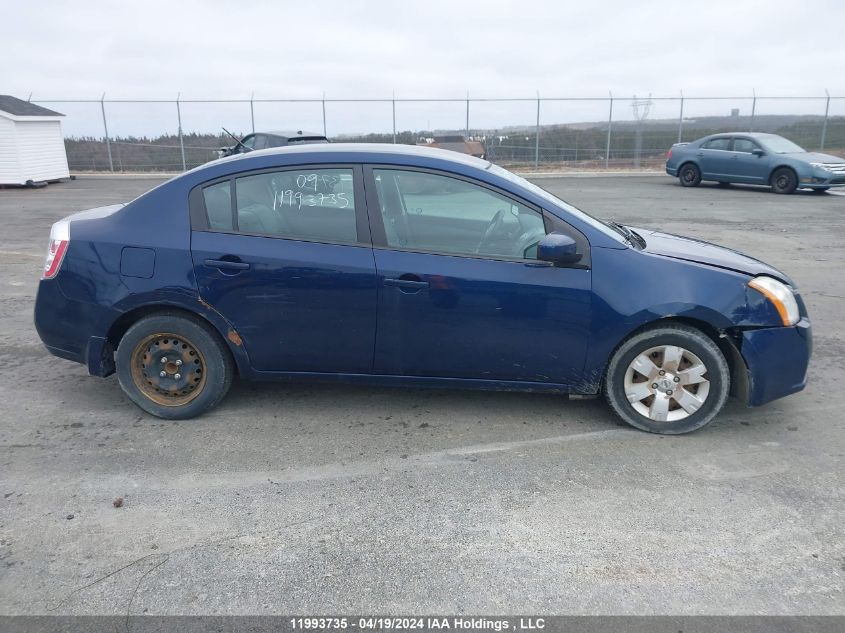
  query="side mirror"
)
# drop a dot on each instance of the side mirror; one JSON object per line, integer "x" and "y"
{"x": 758, "y": 152}
{"x": 559, "y": 249}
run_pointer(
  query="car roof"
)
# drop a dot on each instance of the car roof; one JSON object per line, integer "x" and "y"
{"x": 292, "y": 133}
{"x": 749, "y": 134}
{"x": 379, "y": 150}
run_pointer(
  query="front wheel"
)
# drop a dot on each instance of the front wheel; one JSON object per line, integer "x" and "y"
{"x": 690, "y": 175}
{"x": 670, "y": 379}
{"x": 784, "y": 181}
{"x": 173, "y": 366}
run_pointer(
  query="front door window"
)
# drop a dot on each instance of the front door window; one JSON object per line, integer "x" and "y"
{"x": 428, "y": 212}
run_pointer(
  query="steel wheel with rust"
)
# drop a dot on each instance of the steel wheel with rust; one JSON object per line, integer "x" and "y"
{"x": 173, "y": 366}
{"x": 168, "y": 369}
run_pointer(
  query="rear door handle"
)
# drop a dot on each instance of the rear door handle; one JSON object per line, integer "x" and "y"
{"x": 225, "y": 264}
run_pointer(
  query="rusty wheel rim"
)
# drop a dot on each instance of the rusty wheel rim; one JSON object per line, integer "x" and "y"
{"x": 168, "y": 369}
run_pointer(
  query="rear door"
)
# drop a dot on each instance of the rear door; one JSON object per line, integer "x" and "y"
{"x": 715, "y": 158}
{"x": 461, "y": 293}
{"x": 285, "y": 256}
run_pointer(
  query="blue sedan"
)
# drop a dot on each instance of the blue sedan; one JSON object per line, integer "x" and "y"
{"x": 409, "y": 266}
{"x": 754, "y": 159}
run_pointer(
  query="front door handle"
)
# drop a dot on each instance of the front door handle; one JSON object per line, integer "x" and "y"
{"x": 408, "y": 283}
{"x": 225, "y": 264}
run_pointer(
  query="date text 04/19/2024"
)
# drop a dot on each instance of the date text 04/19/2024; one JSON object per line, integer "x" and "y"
{"x": 411, "y": 623}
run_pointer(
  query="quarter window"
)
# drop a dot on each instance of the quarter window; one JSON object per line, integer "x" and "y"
{"x": 248, "y": 142}
{"x": 430, "y": 212}
{"x": 218, "y": 206}
{"x": 717, "y": 143}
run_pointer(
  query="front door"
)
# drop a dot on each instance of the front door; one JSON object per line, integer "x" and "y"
{"x": 285, "y": 257}
{"x": 749, "y": 167}
{"x": 461, "y": 292}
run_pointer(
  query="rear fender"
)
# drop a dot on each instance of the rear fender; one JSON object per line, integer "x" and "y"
{"x": 136, "y": 307}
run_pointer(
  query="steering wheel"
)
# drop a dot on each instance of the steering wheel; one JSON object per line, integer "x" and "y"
{"x": 492, "y": 229}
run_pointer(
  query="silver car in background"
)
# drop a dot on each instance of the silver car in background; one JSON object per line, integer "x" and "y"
{"x": 754, "y": 159}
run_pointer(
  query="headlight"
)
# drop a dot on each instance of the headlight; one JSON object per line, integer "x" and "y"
{"x": 820, "y": 166}
{"x": 780, "y": 295}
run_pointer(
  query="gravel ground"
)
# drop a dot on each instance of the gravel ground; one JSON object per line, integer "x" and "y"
{"x": 325, "y": 498}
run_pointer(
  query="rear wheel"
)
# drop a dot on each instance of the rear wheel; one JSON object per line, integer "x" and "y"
{"x": 670, "y": 379}
{"x": 784, "y": 181}
{"x": 173, "y": 366}
{"x": 690, "y": 175}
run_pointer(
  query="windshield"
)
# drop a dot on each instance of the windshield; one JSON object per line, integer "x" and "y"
{"x": 780, "y": 145}
{"x": 539, "y": 191}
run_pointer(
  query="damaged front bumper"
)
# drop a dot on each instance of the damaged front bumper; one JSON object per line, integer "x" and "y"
{"x": 776, "y": 360}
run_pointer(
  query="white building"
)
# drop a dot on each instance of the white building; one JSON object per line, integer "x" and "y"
{"x": 32, "y": 148}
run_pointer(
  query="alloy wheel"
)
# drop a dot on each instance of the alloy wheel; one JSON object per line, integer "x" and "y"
{"x": 666, "y": 383}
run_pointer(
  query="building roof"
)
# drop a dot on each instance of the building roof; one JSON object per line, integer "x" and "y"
{"x": 19, "y": 107}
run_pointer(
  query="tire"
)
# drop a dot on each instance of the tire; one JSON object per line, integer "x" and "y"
{"x": 784, "y": 180}
{"x": 690, "y": 175}
{"x": 819, "y": 190}
{"x": 709, "y": 395}
{"x": 151, "y": 361}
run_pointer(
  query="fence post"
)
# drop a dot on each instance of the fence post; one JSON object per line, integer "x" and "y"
{"x": 324, "y": 115}
{"x": 753, "y": 109}
{"x": 393, "y": 105}
{"x": 681, "y": 119}
{"x": 824, "y": 123}
{"x": 609, "y": 125}
{"x": 181, "y": 141}
{"x": 252, "y": 111}
{"x": 537, "y": 135}
{"x": 106, "y": 130}
{"x": 467, "y": 126}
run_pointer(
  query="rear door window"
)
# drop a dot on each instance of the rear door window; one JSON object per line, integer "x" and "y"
{"x": 718, "y": 143}
{"x": 260, "y": 141}
{"x": 308, "y": 204}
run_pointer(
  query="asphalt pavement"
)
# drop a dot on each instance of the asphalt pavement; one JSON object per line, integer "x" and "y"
{"x": 329, "y": 498}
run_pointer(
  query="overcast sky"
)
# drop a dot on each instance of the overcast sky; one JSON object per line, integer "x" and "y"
{"x": 436, "y": 48}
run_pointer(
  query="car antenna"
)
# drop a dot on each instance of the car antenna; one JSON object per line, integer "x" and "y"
{"x": 239, "y": 142}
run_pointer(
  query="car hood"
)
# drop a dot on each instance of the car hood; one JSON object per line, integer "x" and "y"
{"x": 814, "y": 157}
{"x": 698, "y": 251}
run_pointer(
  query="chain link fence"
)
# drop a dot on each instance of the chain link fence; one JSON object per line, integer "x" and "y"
{"x": 547, "y": 133}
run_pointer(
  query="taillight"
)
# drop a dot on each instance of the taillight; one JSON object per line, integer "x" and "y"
{"x": 59, "y": 241}
{"x": 669, "y": 153}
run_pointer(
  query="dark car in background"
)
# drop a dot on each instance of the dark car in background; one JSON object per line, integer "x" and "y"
{"x": 414, "y": 267}
{"x": 266, "y": 140}
{"x": 754, "y": 159}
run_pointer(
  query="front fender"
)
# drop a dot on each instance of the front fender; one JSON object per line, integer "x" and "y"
{"x": 632, "y": 289}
